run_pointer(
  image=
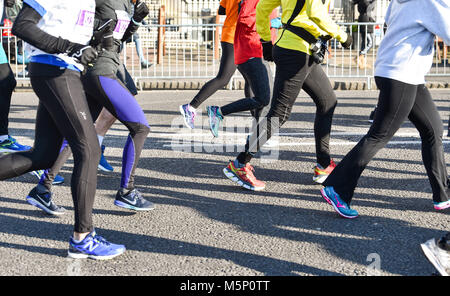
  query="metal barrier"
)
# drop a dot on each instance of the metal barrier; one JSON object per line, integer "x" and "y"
{"x": 193, "y": 52}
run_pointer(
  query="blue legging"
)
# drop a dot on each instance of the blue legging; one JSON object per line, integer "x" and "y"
{"x": 111, "y": 93}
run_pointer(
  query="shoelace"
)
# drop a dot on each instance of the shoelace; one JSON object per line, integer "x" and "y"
{"x": 248, "y": 169}
{"x": 99, "y": 239}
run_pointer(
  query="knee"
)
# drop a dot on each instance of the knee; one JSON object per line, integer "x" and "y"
{"x": 280, "y": 113}
{"x": 328, "y": 105}
{"x": 42, "y": 159}
{"x": 264, "y": 100}
{"x": 87, "y": 152}
{"x": 139, "y": 129}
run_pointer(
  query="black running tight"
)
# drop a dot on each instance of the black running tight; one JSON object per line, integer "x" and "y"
{"x": 295, "y": 71}
{"x": 226, "y": 70}
{"x": 7, "y": 85}
{"x": 62, "y": 113}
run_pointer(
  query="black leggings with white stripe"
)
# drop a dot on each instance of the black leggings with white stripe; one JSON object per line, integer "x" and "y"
{"x": 62, "y": 112}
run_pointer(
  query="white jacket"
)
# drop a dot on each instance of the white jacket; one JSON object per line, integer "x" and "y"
{"x": 406, "y": 51}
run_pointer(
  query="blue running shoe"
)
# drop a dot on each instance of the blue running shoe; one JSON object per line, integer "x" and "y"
{"x": 103, "y": 164}
{"x": 40, "y": 174}
{"x": 215, "y": 118}
{"x": 188, "y": 115}
{"x": 338, "y": 204}
{"x": 95, "y": 247}
{"x": 58, "y": 180}
{"x": 11, "y": 145}
{"x": 44, "y": 202}
{"x": 132, "y": 200}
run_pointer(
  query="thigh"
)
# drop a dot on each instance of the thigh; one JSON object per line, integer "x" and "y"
{"x": 65, "y": 103}
{"x": 255, "y": 73}
{"x": 318, "y": 87}
{"x": 395, "y": 102}
{"x": 115, "y": 97}
{"x": 47, "y": 139}
{"x": 227, "y": 66}
{"x": 292, "y": 68}
{"x": 424, "y": 114}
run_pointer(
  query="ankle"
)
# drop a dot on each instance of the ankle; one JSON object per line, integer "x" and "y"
{"x": 79, "y": 236}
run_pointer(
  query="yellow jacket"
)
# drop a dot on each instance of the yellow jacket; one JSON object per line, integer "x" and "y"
{"x": 313, "y": 17}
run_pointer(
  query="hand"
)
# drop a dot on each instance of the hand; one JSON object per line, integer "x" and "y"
{"x": 267, "y": 50}
{"x": 140, "y": 11}
{"x": 10, "y": 3}
{"x": 347, "y": 42}
{"x": 85, "y": 54}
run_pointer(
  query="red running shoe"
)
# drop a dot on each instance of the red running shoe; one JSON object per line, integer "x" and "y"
{"x": 321, "y": 174}
{"x": 244, "y": 177}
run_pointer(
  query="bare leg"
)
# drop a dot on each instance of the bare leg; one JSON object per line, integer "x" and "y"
{"x": 104, "y": 122}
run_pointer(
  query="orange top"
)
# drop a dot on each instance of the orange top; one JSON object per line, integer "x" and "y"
{"x": 229, "y": 25}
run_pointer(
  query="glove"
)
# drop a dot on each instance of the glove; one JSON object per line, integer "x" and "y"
{"x": 267, "y": 50}
{"x": 140, "y": 11}
{"x": 276, "y": 23}
{"x": 347, "y": 42}
{"x": 84, "y": 54}
{"x": 10, "y": 3}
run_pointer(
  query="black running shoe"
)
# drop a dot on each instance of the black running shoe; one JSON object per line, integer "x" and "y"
{"x": 132, "y": 200}
{"x": 44, "y": 202}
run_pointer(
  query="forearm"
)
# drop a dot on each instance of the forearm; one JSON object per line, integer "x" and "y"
{"x": 318, "y": 14}
{"x": 132, "y": 28}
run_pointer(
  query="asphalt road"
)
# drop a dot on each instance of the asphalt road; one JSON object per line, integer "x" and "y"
{"x": 205, "y": 225}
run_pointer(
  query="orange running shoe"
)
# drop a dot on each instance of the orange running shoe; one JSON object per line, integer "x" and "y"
{"x": 243, "y": 177}
{"x": 321, "y": 174}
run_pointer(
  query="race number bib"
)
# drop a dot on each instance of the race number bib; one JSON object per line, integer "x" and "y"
{"x": 123, "y": 20}
{"x": 85, "y": 23}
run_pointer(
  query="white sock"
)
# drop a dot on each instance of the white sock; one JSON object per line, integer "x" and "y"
{"x": 76, "y": 241}
{"x": 3, "y": 138}
{"x": 100, "y": 139}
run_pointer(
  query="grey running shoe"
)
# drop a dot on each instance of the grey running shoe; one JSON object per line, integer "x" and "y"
{"x": 132, "y": 200}
{"x": 44, "y": 202}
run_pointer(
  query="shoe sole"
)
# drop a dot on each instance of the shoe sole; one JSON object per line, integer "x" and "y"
{"x": 130, "y": 207}
{"x": 445, "y": 206}
{"x": 234, "y": 179}
{"x": 184, "y": 117}
{"x": 210, "y": 123}
{"x": 57, "y": 182}
{"x": 37, "y": 204}
{"x": 10, "y": 151}
{"x": 102, "y": 168}
{"x": 334, "y": 206}
{"x": 430, "y": 255}
{"x": 84, "y": 256}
